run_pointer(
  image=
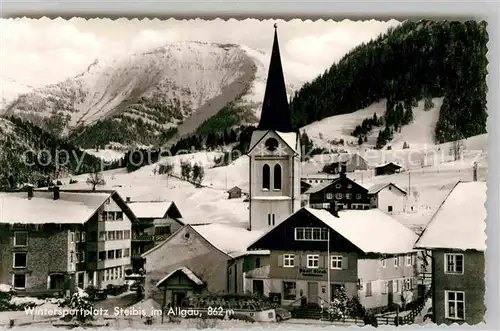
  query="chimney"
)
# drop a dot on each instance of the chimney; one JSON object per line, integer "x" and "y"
{"x": 333, "y": 209}
{"x": 474, "y": 172}
{"x": 56, "y": 192}
{"x": 29, "y": 189}
{"x": 127, "y": 199}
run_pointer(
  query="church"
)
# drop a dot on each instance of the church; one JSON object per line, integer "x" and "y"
{"x": 274, "y": 155}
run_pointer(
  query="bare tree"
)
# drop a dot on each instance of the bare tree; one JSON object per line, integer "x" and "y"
{"x": 457, "y": 148}
{"x": 95, "y": 179}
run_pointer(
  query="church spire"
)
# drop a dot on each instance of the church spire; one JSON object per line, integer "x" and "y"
{"x": 276, "y": 113}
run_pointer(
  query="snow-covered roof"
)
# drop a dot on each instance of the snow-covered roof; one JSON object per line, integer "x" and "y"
{"x": 151, "y": 209}
{"x": 290, "y": 138}
{"x": 370, "y": 230}
{"x": 388, "y": 163}
{"x": 70, "y": 208}
{"x": 460, "y": 221}
{"x": 375, "y": 188}
{"x": 319, "y": 187}
{"x": 229, "y": 239}
{"x": 186, "y": 271}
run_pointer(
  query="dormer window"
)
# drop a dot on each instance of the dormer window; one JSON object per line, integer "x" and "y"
{"x": 266, "y": 177}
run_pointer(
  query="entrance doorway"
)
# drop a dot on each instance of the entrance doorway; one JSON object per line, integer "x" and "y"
{"x": 258, "y": 287}
{"x": 177, "y": 298}
{"x": 390, "y": 293}
{"x": 312, "y": 292}
{"x": 57, "y": 282}
{"x": 80, "y": 280}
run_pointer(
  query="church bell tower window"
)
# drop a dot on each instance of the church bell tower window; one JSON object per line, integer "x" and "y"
{"x": 266, "y": 177}
{"x": 277, "y": 177}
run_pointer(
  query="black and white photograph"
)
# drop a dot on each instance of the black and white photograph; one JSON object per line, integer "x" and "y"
{"x": 242, "y": 173}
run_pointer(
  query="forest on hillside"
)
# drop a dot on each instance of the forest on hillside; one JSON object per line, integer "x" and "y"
{"x": 414, "y": 61}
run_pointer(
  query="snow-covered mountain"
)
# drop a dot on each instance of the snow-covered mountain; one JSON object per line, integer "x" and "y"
{"x": 180, "y": 84}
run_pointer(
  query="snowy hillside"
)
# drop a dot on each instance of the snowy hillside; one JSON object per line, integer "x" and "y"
{"x": 162, "y": 86}
{"x": 419, "y": 133}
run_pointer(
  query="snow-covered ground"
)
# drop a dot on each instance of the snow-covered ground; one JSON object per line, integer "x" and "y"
{"x": 108, "y": 155}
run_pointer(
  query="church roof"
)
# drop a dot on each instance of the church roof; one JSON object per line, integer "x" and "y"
{"x": 289, "y": 138}
{"x": 276, "y": 113}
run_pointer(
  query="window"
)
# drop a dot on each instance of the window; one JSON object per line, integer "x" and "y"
{"x": 72, "y": 236}
{"x": 266, "y": 177}
{"x": 126, "y": 252}
{"x": 454, "y": 263}
{"x": 119, "y": 235}
{"x": 104, "y": 216}
{"x": 277, "y": 177}
{"x": 338, "y": 186}
{"x": 329, "y": 196}
{"x": 289, "y": 260}
{"x": 102, "y": 235}
{"x": 389, "y": 209}
{"x": 82, "y": 256}
{"x": 369, "y": 289}
{"x": 349, "y": 186}
{"x": 336, "y": 262}
{"x": 84, "y": 236}
{"x": 19, "y": 281}
{"x": 257, "y": 262}
{"x": 348, "y": 196}
{"x": 396, "y": 261}
{"x": 271, "y": 220}
{"x": 111, "y": 235}
{"x": 19, "y": 260}
{"x": 102, "y": 255}
{"x": 338, "y": 195}
{"x": 119, "y": 216}
{"x": 77, "y": 236}
{"x": 20, "y": 238}
{"x": 77, "y": 257}
{"x": 118, "y": 253}
{"x": 395, "y": 286}
{"x": 126, "y": 234}
{"x": 384, "y": 264}
{"x": 162, "y": 230}
{"x": 111, "y": 255}
{"x": 71, "y": 257}
{"x": 454, "y": 305}
{"x": 107, "y": 274}
{"x": 289, "y": 291}
{"x": 385, "y": 286}
{"x": 358, "y": 196}
{"x": 120, "y": 272}
{"x": 313, "y": 261}
{"x": 408, "y": 260}
{"x": 314, "y": 234}
{"x": 407, "y": 284}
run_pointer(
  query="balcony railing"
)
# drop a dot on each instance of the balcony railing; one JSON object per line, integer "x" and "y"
{"x": 149, "y": 237}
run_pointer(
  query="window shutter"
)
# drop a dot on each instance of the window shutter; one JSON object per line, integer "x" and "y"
{"x": 303, "y": 261}
{"x": 280, "y": 260}
{"x": 321, "y": 261}
{"x": 296, "y": 261}
{"x": 345, "y": 262}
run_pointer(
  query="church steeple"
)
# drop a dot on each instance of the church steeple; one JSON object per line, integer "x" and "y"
{"x": 276, "y": 113}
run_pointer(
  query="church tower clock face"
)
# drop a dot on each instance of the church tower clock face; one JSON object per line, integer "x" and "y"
{"x": 271, "y": 144}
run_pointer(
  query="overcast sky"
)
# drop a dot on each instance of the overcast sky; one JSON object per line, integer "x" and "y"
{"x": 47, "y": 51}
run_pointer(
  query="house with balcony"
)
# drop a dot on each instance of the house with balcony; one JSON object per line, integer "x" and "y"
{"x": 197, "y": 259}
{"x": 54, "y": 240}
{"x": 346, "y": 193}
{"x": 366, "y": 252}
{"x": 456, "y": 240}
{"x": 156, "y": 221}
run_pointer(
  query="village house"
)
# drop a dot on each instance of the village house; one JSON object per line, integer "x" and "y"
{"x": 234, "y": 193}
{"x": 387, "y": 197}
{"x": 456, "y": 238}
{"x": 88, "y": 233}
{"x": 387, "y": 169}
{"x": 346, "y": 193}
{"x": 366, "y": 252}
{"x": 344, "y": 162}
{"x": 156, "y": 221}
{"x": 200, "y": 255}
